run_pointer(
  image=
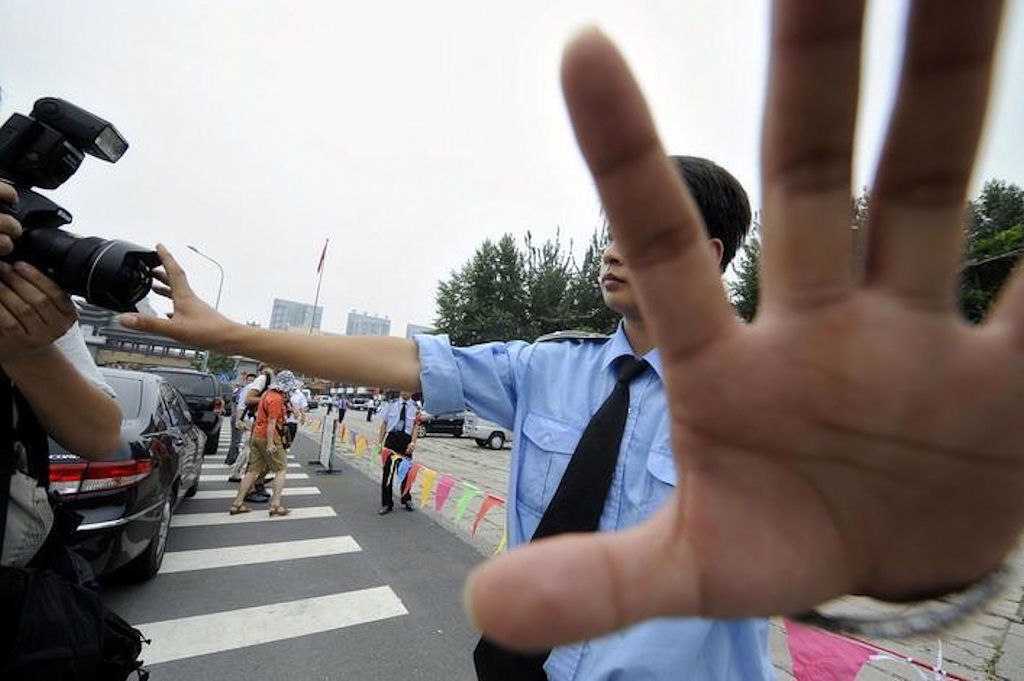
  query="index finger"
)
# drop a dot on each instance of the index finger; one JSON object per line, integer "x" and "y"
{"x": 652, "y": 215}
{"x": 54, "y": 293}
{"x": 8, "y": 193}
{"x": 175, "y": 275}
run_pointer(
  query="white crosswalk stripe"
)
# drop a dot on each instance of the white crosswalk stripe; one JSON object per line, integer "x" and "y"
{"x": 206, "y": 559}
{"x": 222, "y": 477}
{"x": 225, "y": 467}
{"x": 230, "y": 493}
{"x": 254, "y": 516}
{"x": 203, "y": 634}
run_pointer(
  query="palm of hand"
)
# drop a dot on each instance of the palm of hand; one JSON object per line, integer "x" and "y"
{"x": 837, "y": 452}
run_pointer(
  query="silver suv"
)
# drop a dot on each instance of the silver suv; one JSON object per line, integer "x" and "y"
{"x": 485, "y": 433}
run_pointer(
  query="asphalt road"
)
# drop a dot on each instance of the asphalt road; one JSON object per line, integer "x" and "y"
{"x": 333, "y": 591}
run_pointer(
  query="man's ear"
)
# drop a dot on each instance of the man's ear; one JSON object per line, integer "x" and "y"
{"x": 718, "y": 248}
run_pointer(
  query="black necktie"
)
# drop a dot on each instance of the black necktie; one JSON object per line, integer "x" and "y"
{"x": 576, "y": 507}
{"x": 400, "y": 426}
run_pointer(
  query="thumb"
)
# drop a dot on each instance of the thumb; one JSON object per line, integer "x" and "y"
{"x": 148, "y": 323}
{"x": 579, "y": 586}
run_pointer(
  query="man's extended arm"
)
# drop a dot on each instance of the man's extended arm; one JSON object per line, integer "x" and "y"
{"x": 365, "y": 360}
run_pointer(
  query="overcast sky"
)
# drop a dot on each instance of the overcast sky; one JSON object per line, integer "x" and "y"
{"x": 407, "y": 132}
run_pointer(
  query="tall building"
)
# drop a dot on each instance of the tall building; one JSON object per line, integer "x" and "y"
{"x": 288, "y": 313}
{"x": 417, "y": 330}
{"x": 364, "y": 324}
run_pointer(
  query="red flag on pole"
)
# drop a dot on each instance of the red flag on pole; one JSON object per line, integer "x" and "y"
{"x": 323, "y": 254}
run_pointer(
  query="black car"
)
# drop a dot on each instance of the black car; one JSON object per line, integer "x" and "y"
{"x": 127, "y": 502}
{"x": 204, "y": 395}
{"x": 452, "y": 423}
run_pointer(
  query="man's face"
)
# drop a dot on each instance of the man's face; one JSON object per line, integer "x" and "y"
{"x": 616, "y": 288}
{"x": 404, "y": 395}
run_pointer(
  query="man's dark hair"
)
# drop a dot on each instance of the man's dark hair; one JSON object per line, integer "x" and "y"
{"x": 721, "y": 200}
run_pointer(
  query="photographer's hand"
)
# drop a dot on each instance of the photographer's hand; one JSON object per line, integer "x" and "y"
{"x": 10, "y": 229}
{"x": 34, "y": 311}
{"x": 857, "y": 436}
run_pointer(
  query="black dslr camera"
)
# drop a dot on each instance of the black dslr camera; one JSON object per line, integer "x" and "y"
{"x": 43, "y": 150}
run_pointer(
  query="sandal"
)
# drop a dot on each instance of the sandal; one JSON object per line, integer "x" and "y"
{"x": 279, "y": 510}
{"x": 239, "y": 508}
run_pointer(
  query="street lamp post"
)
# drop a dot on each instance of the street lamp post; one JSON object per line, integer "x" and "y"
{"x": 220, "y": 287}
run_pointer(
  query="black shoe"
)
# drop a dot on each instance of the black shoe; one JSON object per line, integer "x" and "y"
{"x": 255, "y": 498}
{"x": 408, "y": 506}
{"x": 234, "y": 479}
{"x": 385, "y": 510}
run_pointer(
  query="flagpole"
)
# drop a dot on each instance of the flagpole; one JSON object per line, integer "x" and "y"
{"x": 319, "y": 280}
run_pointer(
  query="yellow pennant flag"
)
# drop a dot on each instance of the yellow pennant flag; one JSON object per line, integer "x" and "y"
{"x": 501, "y": 544}
{"x": 428, "y": 478}
{"x": 360, "y": 447}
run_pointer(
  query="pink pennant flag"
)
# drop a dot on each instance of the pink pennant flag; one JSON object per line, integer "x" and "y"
{"x": 444, "y": 488}
{"x": 821, "y": 656}
{"x": 410, "y": 479}
{"x": 385, "y": 454}
{"x": 490, "y": 502}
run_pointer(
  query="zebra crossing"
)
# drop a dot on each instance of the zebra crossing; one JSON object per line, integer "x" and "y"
{"x": 206, "y": 545}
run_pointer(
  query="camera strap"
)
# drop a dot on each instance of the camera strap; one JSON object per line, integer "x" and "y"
{"x": 6, "y": 449}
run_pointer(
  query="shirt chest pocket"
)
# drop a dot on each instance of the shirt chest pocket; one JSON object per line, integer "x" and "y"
{"x": 649, "y": 490}
{"x": 547, "y": 448}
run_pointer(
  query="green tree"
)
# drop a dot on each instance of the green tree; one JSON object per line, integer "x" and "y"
{"x": 549, "y": 273}
{"x": 586, "y": 308}
{"x": 746, "y": 288}
{"x": 995, "y": 238}
{"x": 217, "y": 364}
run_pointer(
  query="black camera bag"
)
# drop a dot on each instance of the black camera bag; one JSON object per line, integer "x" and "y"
{"x": 53, "y": 625}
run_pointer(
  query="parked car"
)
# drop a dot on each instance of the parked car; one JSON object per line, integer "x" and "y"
{"x": 202, "y": 391}
{"x": 451, "y": 423}
{"x": 360, "y": 403}
{"x": 126, "y": 502}
{"x": 485, "y": 433}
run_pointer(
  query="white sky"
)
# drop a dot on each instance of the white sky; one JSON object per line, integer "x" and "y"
{"x": 405, "y": 131}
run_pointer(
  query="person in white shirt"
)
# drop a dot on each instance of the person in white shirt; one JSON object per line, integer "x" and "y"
{"x": 397, "y": 433}
{"x": 296, "y": 414}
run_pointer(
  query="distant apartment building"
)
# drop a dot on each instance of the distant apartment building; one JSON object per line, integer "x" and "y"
{"x": 288, "y": 313}
{"x": 418, "y": 330}
{"x": 364, "y": 324}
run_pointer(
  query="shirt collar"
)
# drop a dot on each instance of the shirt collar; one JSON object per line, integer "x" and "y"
{"x": 618, "y": 346}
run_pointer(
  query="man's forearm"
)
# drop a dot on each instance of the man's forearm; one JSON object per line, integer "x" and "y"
{"x": 73, "y": 412}
{"x": 380, "y": 361}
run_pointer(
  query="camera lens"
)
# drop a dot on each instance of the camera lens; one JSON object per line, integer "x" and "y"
{"x": 109, "y": 273}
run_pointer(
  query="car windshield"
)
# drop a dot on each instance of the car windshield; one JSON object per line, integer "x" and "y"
{"x": 190, "y": 385}
{"x": 129, "y": 395}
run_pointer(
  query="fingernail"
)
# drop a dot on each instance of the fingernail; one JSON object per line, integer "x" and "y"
{"x": 23, "y": 267}
{"x": 129, "y": 320}
{"x": 5, "y": 268}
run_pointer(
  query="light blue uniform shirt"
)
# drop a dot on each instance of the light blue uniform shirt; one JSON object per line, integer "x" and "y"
{"x": 546, "y": 394}
{"x": 393, "y": 409}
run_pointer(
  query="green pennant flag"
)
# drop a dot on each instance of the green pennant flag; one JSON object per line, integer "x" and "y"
{"x": 468, "y": 492}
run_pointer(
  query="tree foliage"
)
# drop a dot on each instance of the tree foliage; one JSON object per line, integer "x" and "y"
{"x": 509, "y": 292}
{"x": 995, "y": 237}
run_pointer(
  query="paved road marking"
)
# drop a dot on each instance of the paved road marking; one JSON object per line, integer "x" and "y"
{"x": 223, "y": 478}
{"x": 229, "y": 556}
{"x": 217, "y": 632}
{"x": 224, "y": 466}
{"x": 230, "y": 493}
{"x": 256, "y": 516}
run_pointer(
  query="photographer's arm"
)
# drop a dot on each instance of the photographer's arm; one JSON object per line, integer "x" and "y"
{"x": 367, "y": 360}
{"x": 73, "y": 412}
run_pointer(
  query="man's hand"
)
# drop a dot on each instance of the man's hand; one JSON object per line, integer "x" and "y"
{"x": 34, "y": 311}
{"x": 193, "y": 320}
{"x": 858, "y": 436}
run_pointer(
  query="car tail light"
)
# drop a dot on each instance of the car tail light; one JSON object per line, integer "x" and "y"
{"x": 97, "y": 476}
{"x": 218, "y": 405}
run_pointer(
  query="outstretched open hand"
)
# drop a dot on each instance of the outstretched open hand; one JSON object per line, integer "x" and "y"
{"x": 857, "y": 437}
{"x": 192, "y": 320}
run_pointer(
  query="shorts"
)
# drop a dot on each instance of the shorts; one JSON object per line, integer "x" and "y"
{"x": 262, "y": 462}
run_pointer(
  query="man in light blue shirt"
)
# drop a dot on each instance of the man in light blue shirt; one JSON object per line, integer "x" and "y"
{"x": 546, "y": 392}
{"x": 397, "y": 433}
